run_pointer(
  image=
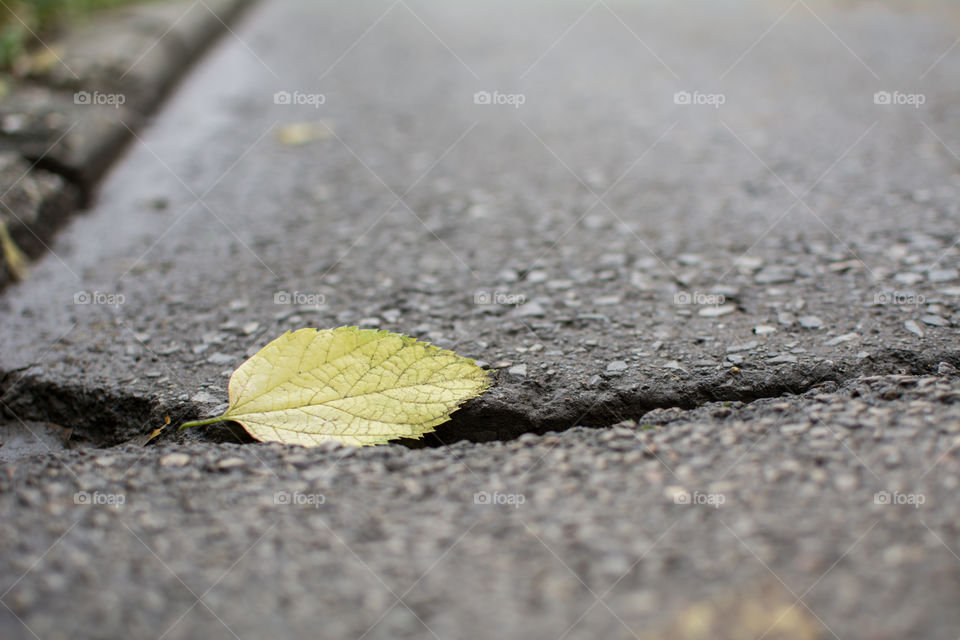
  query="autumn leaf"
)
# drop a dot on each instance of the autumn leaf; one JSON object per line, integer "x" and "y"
{"x": 350, "y": 385}
{"x": 300, "y": 133}
{"x": 12, "y": 256}
{"x": 753, "y": 610}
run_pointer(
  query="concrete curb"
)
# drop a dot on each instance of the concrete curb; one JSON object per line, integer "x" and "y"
{"x": 63, "y": 125}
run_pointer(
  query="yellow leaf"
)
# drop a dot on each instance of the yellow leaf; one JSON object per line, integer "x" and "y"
{"x": 300, "y": 133}
{"x": 13, "y": 257}
{"x": 761, "y": 610}
{"x": 355, "y": 386}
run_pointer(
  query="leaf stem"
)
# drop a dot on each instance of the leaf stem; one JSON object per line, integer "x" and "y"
{"x": 200, "y": 423}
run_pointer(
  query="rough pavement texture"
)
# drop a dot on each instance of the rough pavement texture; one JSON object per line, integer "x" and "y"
{"x": 277, "y": 540}
{"x": 740, "y": 218}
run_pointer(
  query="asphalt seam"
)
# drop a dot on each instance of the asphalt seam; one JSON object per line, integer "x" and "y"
{"x": 106, "y": 418}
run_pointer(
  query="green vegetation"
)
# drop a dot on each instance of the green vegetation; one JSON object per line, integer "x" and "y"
{"x": 22, "y": 21}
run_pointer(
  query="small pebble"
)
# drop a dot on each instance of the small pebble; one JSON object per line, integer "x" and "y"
{"x": 748, "y": 263}
{"x": 908, "y": 277}
{"x": 764, "y": 329}
{"x": 913, "y": 328}
{"x": 774, "y": 274}
{"x": 613, "y": 260}
{"x": 608, "y": 301}
{"x": 617, "y": 366}
{"x": 519, "y": 371}
{"x": 847, "y": 337}
{"x": 716, "y": 312}
{"x": 942, "y": 275}
{"x": 936, "y": 321}
{"x": 174, "y": 460}
{"x": 508, "y": 275}
{"x": 846, "y": 482}
{"x": 641, "y": 281}
{"x": 810, "y": 322}
{"x": 794, "y": 429}
{"x": 231, "y": 463}
{"x": 531, "y": 309}
{"x": 593, "y": 316}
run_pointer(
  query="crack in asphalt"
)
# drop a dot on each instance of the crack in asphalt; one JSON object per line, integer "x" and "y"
{"x": 100, "y": 417}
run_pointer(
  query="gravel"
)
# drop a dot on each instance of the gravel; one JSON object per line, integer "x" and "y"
{"x": 847, "y": 488}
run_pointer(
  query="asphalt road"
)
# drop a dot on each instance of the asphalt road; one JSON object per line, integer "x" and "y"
{"x": 730, "y": 229}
